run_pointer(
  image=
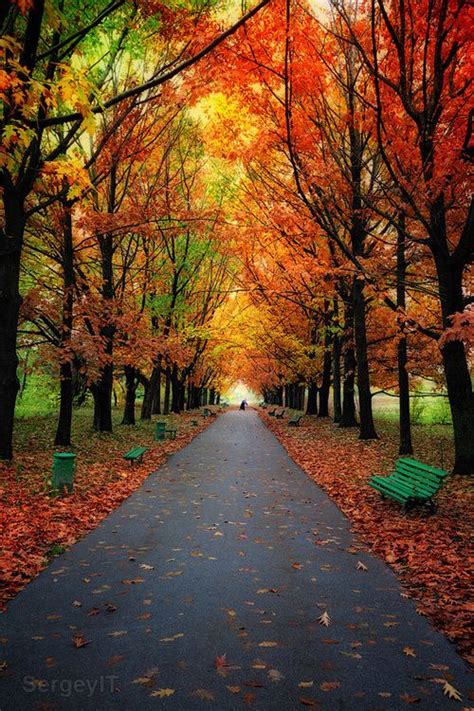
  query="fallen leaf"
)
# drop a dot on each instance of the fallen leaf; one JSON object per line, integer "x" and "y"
{"x": 410, "y": 699}
{"x": 307, "y": 702}
{"x": 221, "y": 662}
{"x": 324, "y": 619}
{"x": 203, "y": 694}
{"x": 79, "y": 641}
{"x": 451, "y": 692}
{"x": 409, "y": 651}
{"x": 233, "y": 689}
{"x": 361, "y": 566}
{"x": 162, "y": 693}
{"x": 329, "y": 685}
{"x": 268, "y": 644}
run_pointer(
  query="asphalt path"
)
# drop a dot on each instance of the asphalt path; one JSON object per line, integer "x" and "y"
{"x": 209, "y": 587}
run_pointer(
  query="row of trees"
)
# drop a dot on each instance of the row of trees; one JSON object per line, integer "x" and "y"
{"x": 110, "y": 254}
{"x": 357, "y": 203}
{"x": 287, "y": 201}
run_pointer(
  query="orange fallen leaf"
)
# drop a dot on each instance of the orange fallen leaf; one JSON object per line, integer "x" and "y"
{"x": 79, "y": 641}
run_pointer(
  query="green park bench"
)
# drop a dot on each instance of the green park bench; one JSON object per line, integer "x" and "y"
{"x": 411, "y": 484}
{"x": 135, "y": 454}
{"x": 161, "y": 431}
{"x": 279, "y": 415}
{"x": 207, "y": 412}
{"x": 295, "y": 420}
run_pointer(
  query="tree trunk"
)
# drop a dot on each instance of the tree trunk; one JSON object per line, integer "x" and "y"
{"x": 166, "y": 404}
{"x": 367, "y": 427}
{"x": 131, "y": 384}
{"x": 458, "y": 381}
{"x": 11, "y": 242}
{"x": 175, "y": 390}
{"x": 336, "y": 378}
{"x": 312, "y": 405}
{"x": 156, "y": 406}
{"x": 102, "y": 392}
{"x": 336, "y": 368}
{"x": 212, "y": 396}
{"x": 326, "y": 380}
{"x": 150, "y": 393}
{"x": 348, "y": 418}
{"x": 405, "y": 443}
{"x": 63, "y": 429}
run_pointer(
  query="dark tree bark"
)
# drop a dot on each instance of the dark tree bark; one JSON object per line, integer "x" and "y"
{"x": 312, "y": 404}
{"x": 150, "y": 393}
{"x": 212, "y": 396}
{"x": 11, "y": 242}
{"x": 63, "y": 430}
{"x": 348, "y": 417}
{"x": 367, "y": 427}
{"x": 458, "y": 381}
{"x": 131, "y": 384}
{"x": 326, "y": 379}
{"x": 336, "y": 378}
{"x": 175, "y": 390}
{"x": 405, "y": 444}
{"x": 156, "y": 407}
{"x": 166, "y": 404}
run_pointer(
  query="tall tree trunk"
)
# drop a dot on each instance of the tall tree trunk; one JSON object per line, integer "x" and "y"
{"x": 166, "y": 404}
{"x": 131, "y": 384}
{"x": 63, "y": 429}
{"x": 212, "y": 396}
{"x": 456, "y": 370}
{"x": 367, "y": 427}
{"x": 11, "y": 242}
{"x": 156, "y": 406}
{"x": 336, "y": 368}
{"x": 348, "y": 417}
{"x": 326, "y": 379}
{"x": 312, "y": 405}
{"x": 102, "y": 392}
{"x": 175, "y": 390}
{"x": 150, "y": 393}
{"x": 405, "y": 444}
{"x": 336, "y": 378}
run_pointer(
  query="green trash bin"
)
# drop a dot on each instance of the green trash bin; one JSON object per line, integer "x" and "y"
{"x": 63, "y": 470}
{"x": 160, "y": 430}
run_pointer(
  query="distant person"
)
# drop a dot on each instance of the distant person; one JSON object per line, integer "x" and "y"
{"x": 242, "y": 405}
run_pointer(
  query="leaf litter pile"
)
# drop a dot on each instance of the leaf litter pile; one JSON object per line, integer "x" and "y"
{"x": 36, "y": 525}
{"x": 429, "y": 553}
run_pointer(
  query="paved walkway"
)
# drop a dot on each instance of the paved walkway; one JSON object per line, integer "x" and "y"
{"x": 229, "y": 552}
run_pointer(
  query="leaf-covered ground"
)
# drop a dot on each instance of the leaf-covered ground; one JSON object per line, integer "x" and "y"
{"x": 34, "y": 525}
{"x": 430, "y": 554}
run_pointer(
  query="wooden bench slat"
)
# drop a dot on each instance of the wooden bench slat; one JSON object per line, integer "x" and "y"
{"x": 413, "y": 489}
{"x": 425, "y": 467}
{"x": 135, "y": 453}
{"x": 411, "y": 482}
{"x": 425, "y": 486}
{"x": 418, "y": 476}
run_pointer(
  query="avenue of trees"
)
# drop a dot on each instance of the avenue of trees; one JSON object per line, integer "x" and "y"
{"x": 195, "y": 193}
